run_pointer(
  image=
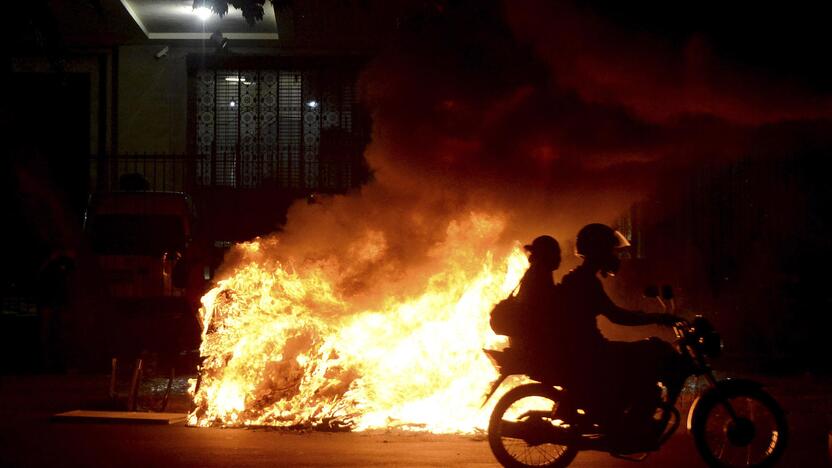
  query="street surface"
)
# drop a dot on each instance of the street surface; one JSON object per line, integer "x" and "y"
{"x": 29, "y": 438}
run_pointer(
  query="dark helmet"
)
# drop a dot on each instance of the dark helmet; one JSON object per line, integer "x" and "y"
{"x": 599, "y": 241}
{"x": 545, "y": 252}
{"x": 544, "y": 246}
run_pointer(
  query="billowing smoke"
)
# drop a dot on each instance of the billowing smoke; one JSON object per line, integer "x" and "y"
{"x": 653, "y": 78}
{"x": 539, "y": 112}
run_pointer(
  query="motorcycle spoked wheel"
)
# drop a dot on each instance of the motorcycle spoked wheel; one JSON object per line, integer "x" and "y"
{"x": 756, "y": 439}
{"x": 518, "y": 426}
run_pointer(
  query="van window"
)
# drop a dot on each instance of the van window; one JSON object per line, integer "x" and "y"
{"x": 134, "y": 234}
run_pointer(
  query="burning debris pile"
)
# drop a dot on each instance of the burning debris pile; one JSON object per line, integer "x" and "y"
{"x": 284, "y": 347}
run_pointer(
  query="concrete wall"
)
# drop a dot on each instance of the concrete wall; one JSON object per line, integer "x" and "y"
{"x": 152, "y": 100}
{"x": 153, "y": 96}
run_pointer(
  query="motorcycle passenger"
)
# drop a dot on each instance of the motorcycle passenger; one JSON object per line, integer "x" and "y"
{"x": 537, "y": 296}
{"x": 610, "y": 374}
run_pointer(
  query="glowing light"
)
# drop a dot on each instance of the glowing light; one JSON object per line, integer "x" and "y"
{"x": 234, "y": 79}
{"x": 202, "y": 13}
{"x": 312, "y": 104}
{"x": 232, "y": 104}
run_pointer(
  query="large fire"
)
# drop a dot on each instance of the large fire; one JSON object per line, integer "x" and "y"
{"x": 283, "y": 346}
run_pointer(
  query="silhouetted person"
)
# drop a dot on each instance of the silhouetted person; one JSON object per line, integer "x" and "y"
{"x": 537, "y": 295}
{"x": 611, "y": 374}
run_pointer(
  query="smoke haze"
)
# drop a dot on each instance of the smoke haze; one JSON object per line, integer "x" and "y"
{"x": 540, "y": 114}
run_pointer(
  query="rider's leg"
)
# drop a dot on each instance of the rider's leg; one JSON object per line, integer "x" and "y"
{"x": 639, "y": 365}
{"x": 603, "y": 391}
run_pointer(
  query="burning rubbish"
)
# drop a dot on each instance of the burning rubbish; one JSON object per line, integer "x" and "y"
{"x": 283, "y": 345}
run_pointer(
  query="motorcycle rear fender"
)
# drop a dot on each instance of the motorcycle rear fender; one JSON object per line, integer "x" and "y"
{"x": 505, "y": 362}
{"x": 494, "y": 386}
{"x": 728, "y": 386}
{"x": 499, "y": 359}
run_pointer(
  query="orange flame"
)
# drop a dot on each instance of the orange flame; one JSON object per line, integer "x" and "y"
{"x": 283, "y": 346}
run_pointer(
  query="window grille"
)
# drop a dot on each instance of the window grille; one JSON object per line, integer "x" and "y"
{"x": 289, "y": 129}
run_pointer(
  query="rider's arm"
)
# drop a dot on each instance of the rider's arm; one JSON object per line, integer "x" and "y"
{"x": 621, "y": 316}
{"x": 626, "y": 317}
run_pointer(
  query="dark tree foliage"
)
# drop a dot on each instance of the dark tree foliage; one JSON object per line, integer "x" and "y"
{"x": 252, "y": 9}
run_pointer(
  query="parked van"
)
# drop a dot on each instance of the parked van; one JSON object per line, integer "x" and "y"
{"x": 145, "y": 269}
{"x": 139, "y": 240}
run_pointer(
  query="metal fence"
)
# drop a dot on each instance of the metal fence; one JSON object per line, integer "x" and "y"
{"x": 154, "y": 172}
{"x": 186, "y": 173}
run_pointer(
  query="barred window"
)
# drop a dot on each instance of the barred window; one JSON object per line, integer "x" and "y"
{"x": 291, "y": 129}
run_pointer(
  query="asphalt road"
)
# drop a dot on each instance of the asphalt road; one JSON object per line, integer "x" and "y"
{"x": 147, "y": 446}
{"x": 29, "y": 438}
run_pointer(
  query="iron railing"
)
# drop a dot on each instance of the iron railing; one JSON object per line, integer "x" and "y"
{"x": 154, "y": 172}
{"x": 186, "y": 173}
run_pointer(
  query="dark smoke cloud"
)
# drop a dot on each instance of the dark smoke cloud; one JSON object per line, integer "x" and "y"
{"x": 542, "y": 97}
{"x": 651, "y": 76}
{"x": 538, "y": 111}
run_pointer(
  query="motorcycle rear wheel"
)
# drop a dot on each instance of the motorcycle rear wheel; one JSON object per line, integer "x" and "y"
{"x": 756, "y": 439}
{"x": 518, "y": 427}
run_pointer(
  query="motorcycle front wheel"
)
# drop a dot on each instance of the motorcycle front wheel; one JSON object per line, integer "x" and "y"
{"x": 522, "y": 431}
{"x": 754, "y": 437}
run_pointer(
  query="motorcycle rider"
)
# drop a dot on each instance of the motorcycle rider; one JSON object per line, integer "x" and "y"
{"x": 611, "y": 375}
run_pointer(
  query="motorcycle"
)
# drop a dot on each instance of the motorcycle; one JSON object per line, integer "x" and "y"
{"x": 734, "y": 423}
